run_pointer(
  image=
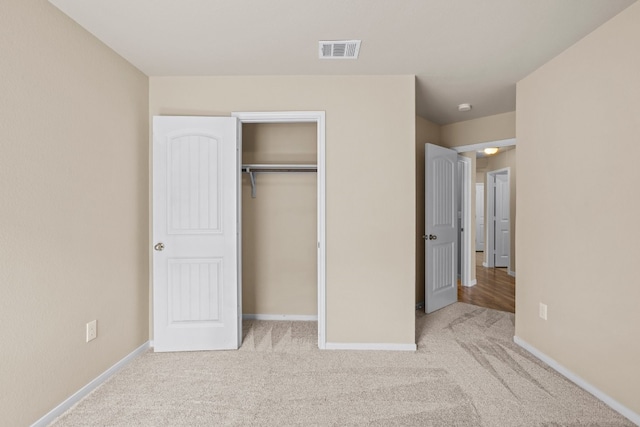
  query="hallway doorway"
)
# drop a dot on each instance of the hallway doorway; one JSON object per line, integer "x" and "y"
{"x": 495, "y": 289}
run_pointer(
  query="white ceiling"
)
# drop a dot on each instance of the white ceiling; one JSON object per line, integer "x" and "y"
{"x": 460, "y": 50}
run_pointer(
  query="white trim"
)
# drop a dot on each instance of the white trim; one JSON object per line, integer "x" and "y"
{"x": 239, "y": 228}
{"x": 479, "y": 188}
{"x": 482, "y": 145}
{"x": 501, "y": 171}
{"x": 471, "y": 283}
{"x": 322, "y": 246}
{"x": 317, "y": 117}
{"x": 489, "y": 221}
{"x": 291, "y": 317}
{"x": 370, "y": 346}
{"x": 511, "y": 273}
{"x": 279, "y": 116}
{"x": 610, "y": 401}
{"x": 465, "y": 250}
{"x": 84, "y": 391}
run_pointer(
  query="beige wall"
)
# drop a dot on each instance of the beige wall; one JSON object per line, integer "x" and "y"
{"x": 426, "y": 132}
{"x": 482, "y": 165}
{"x": 73, "y": 216}
{"x": 578, "y": 231}
{"x": 503, "y": 160}
{"x": 370, "y": 185}
{"x": 279, "y": 226}
{"x": 484, "y": 129}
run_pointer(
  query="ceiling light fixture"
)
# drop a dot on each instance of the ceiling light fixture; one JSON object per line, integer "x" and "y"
{"x": 490, "y": 151}
{"x": 464, "y": 107}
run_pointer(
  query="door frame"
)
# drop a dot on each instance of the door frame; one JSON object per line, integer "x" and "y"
{"x": 317, "y": 117}
{"x": 480, "y": 184}
{"x": 490, "y": 238}
{"x": 475, "y": 147}
{"x": 465, "y": 207}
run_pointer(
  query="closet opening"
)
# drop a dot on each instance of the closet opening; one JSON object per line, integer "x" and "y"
{"x": 281, "y": 217}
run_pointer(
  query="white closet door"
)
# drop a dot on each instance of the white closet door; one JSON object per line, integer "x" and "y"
{"x": 195, "y": 233}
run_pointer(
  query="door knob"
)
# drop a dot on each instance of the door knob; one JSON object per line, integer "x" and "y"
{"x": 159, "y": 246}
{"x": 433, "y": 237}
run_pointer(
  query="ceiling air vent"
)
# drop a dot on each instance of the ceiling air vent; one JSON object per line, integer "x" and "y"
{"x": 343, "y": 49}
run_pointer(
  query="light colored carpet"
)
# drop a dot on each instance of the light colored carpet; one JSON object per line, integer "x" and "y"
{"x": 467, "y": 372}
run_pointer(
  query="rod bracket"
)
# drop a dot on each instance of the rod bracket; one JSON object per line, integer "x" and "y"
{"x": 252, "y": 177}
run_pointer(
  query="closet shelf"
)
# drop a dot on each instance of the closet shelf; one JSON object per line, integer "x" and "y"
{"x": 252, "y": 169}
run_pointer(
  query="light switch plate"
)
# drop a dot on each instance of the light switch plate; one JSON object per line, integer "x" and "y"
{"x": 92, "y": 330}
{"x": 543, "y": 311}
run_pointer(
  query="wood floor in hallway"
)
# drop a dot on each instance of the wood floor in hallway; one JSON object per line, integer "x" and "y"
{"x": 495, "y": 288}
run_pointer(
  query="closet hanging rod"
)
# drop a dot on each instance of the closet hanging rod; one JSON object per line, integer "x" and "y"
{"x": 279, "y": 167}
{"x": 252, "y": 169}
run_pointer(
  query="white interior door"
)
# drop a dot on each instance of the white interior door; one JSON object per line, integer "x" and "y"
{"x": 502, "y": 221}
{"x": 441, "y": 222}
{"x": 195, "y": 233}
{"x": 480, "y": 217}
{"x": 458, "y": 196}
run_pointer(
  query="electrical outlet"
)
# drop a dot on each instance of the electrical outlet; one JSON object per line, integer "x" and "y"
{"x": 92, "y": 330}
{"x": 543, "y": 311}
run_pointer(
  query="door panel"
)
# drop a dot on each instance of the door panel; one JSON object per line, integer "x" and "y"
{"x": 195, "y": 283}
{"x": 195, "y": 290}
{"x": 441, "y": 222}
{"x": 193, "y": 177}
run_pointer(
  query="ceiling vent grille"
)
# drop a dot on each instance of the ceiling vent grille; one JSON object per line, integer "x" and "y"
{"x": 343, "y": 49}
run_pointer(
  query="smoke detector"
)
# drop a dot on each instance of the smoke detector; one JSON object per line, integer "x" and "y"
{"x": 464, "y": 107}
{"x": 339, "y": 49}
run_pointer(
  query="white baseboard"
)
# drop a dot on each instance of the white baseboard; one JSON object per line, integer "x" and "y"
{"x": 611, "y": 402}
{"x": 291, "y": 317}
{"x": 511, "y": 273}
{"x": 370, "y": 346}
{"x": 471, "y": 283}
{"x": 84, "y": 391}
